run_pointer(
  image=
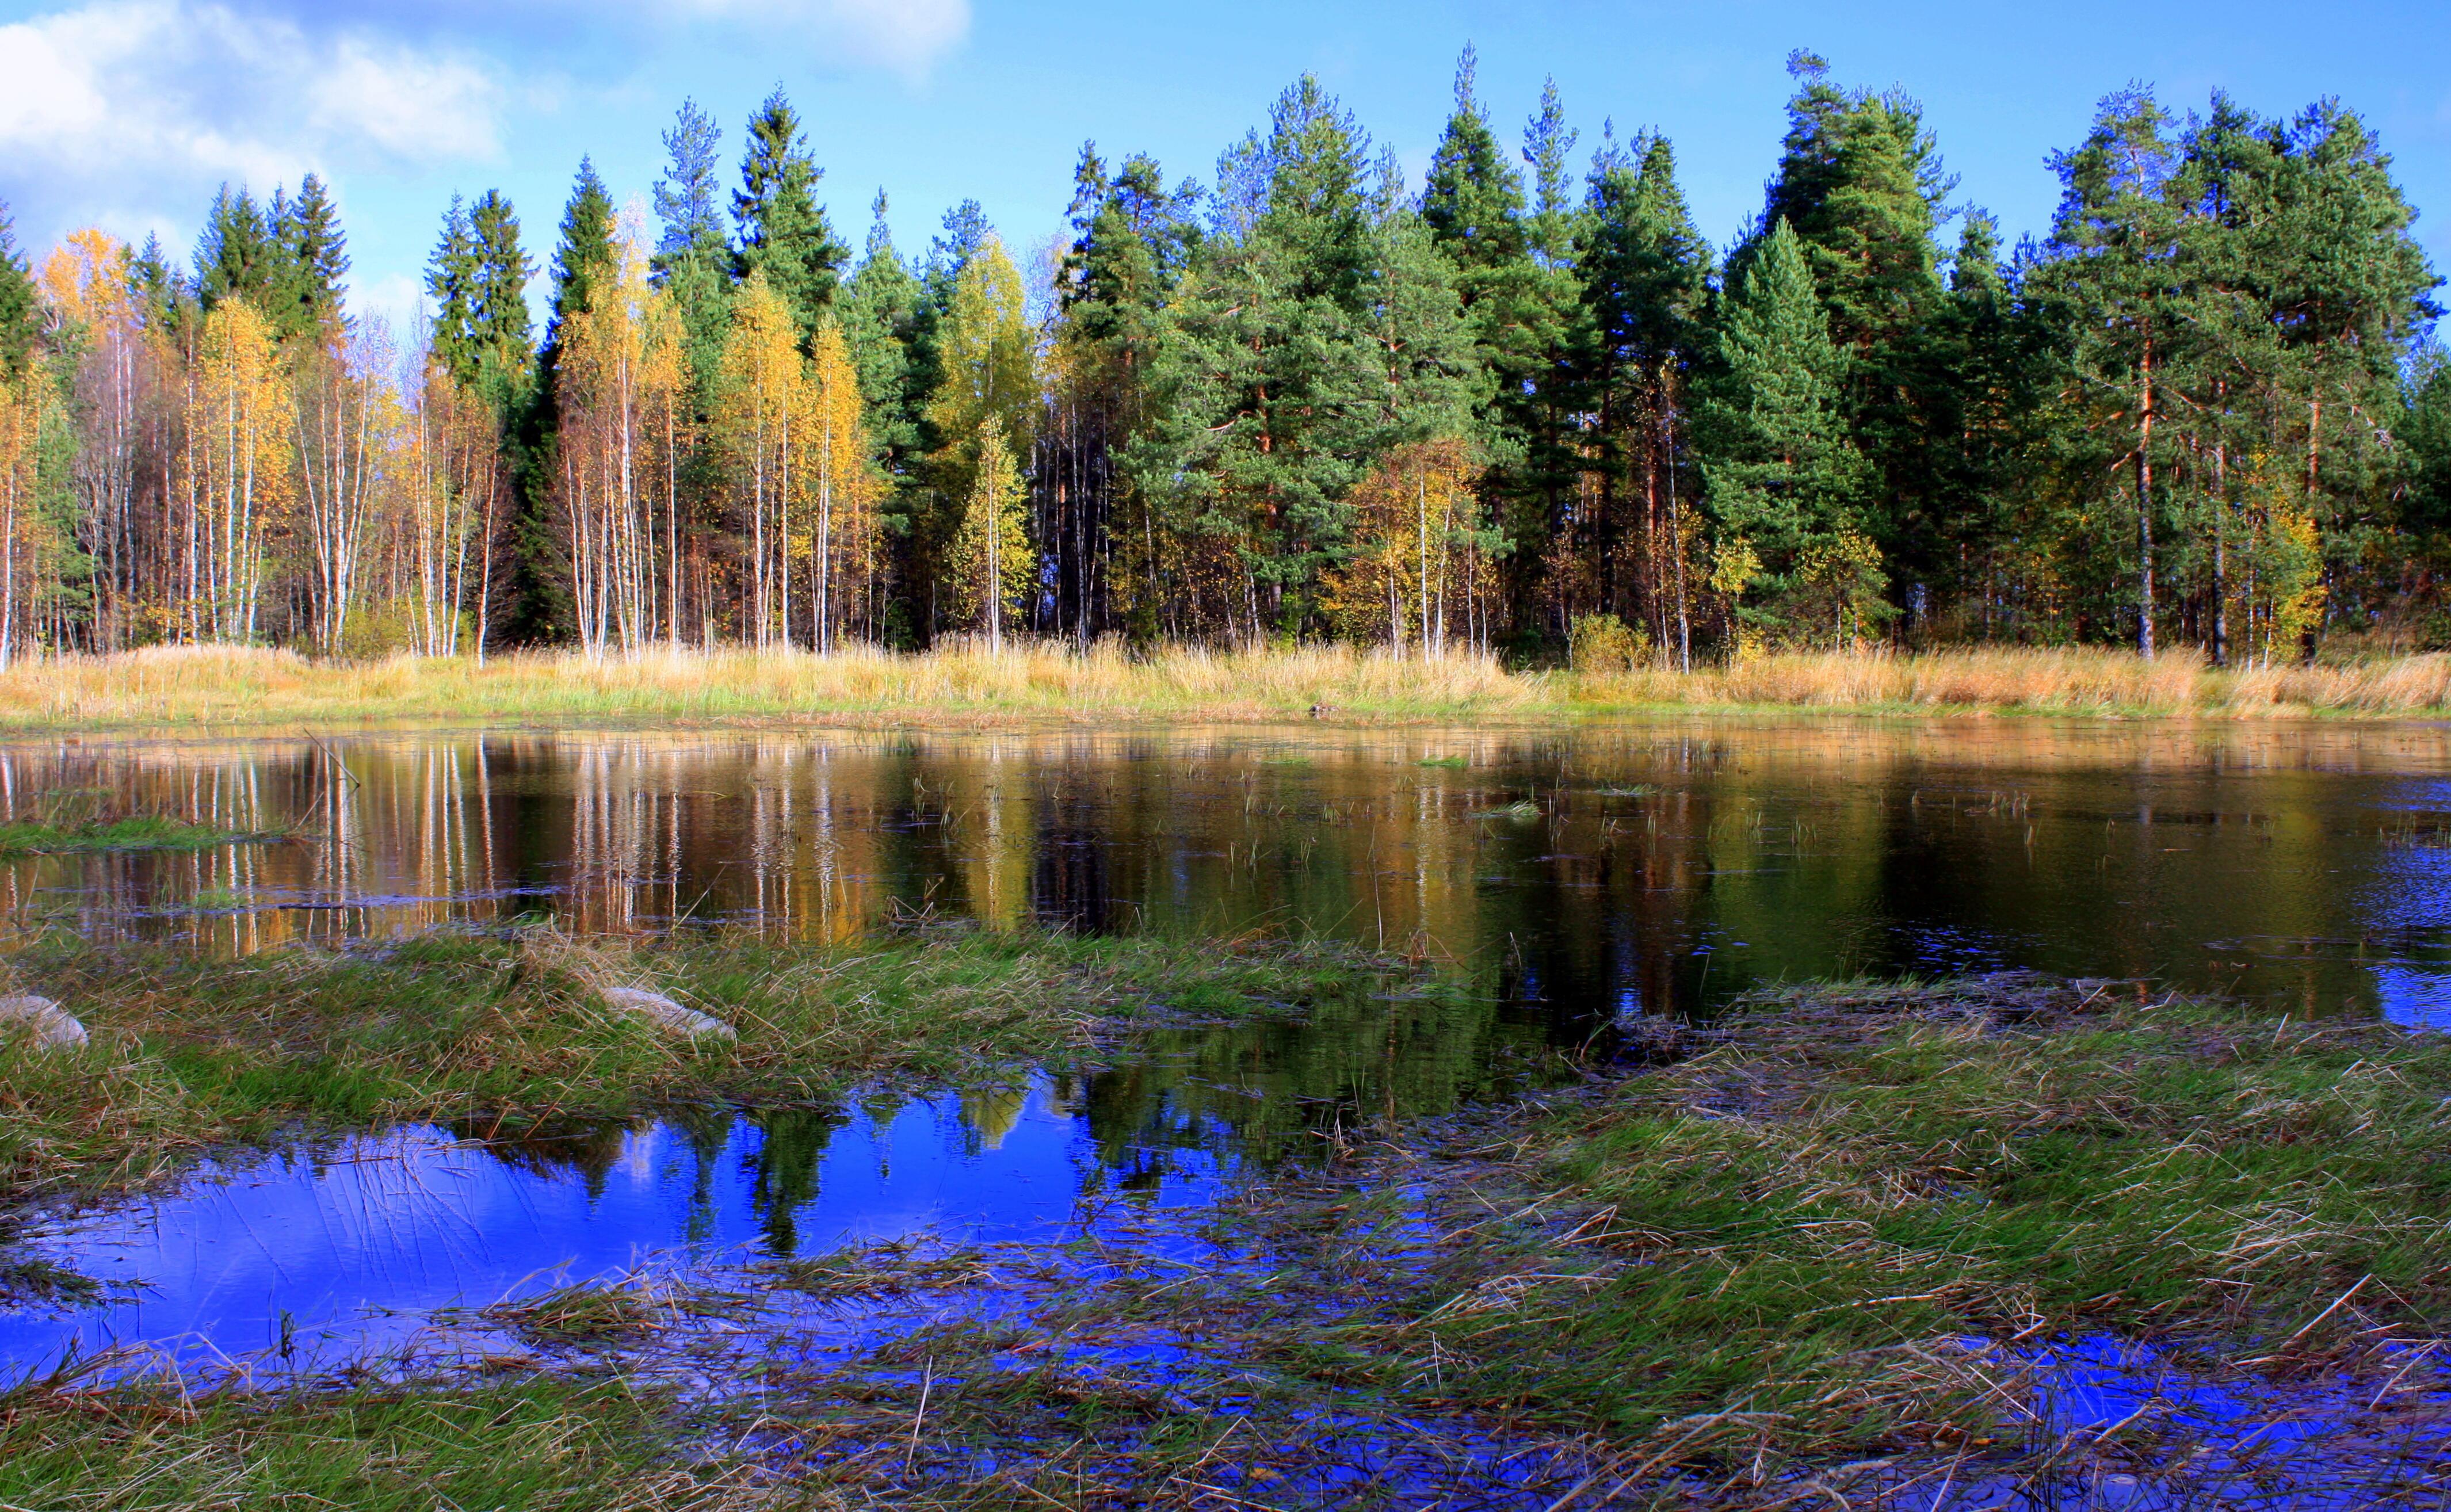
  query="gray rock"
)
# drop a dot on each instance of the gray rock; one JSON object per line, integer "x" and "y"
{"x": 664, "y": 1013}
{"x": 55, "y": 1027}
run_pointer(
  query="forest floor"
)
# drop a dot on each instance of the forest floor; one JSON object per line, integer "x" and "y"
{"x": 1997, "y": 1242}
{"x": 219, "y": 690}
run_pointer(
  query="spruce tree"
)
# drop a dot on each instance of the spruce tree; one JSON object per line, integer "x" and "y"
{"x": 19, "y": 314}
{"x": 500, "y": 326}
{"x": 239, "y": 255}
{"x": 315, "y": 259}
{"x": 586, "y": 256}
{"x": 162, "y": 292}
{"x": 876, "y": 307}
{"x": 1784, "y": 486}
{"x": 783, "y": 230}
{"x": 451, "y": 282}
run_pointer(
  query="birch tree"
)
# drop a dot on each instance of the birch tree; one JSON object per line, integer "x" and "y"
{"x": 990, "y": 567}
{"x": 239, "y": 447}
{"x": 763, "y": 400}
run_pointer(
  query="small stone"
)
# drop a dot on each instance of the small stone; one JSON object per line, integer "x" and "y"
{"x": 665, "y": 1014}
{"x": 55, "y": 1027}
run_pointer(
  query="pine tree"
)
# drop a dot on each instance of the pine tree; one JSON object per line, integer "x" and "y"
{"x": 1783, "y": 483}
{"x": 1267, "y": 385}
{"x": 2118, "y": 296}
{"x": 685, "y": 197}
{"x": 1472, "y": 198}
{"x": 1982, "y": 379}
{"x": 1643, "y": 276}
{"x": 783, "y": 230}
{"x": 1860, "y": 183}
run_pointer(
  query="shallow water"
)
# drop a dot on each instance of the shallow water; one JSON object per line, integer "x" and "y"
{"x": 324, "y": 1254}
{"x": 1589, "y": 874}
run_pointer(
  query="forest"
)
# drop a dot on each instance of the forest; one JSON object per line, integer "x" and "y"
{"x": 1523, "y": 408}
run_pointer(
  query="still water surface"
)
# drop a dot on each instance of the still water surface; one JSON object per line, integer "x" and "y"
{"x": 1647, "y": 868}
{"x": 1584, "y": 875}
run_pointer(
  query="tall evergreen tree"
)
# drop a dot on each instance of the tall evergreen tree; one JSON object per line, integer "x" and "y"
{"x": 1132, "y": 238}
{"x": 2118, "y": 294}
{"x": 19, "y": 315}
{"x": 686, "y": 196}
{"x": 1784, "y": 485}
{"x": 784, "y": 232}
{"x": 1860, "y": 184}
{"x": 240, "y": 254}
{"x": 316, "y": 258}
{"x": 586, "y": 258}
{"x": 1267, "y": 384}
{"x": 693, "y": 263}
{"x": 1645, "y": 276}
{"x": 500, "y": 326}
{"x": 877, "y": 306}
{"x": 451, "y": 282}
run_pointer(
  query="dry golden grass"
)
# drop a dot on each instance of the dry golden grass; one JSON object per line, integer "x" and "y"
{"x": 203, "y": 688}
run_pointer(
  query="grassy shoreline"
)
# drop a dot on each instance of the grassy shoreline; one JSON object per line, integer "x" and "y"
{"x": 222, "y": 691}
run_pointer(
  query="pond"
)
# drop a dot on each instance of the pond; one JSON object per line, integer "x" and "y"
{"x": 1586, "y": 875}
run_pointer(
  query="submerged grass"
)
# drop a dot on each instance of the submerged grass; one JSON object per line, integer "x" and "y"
{"x": 507, "y": 1033}
{"x": 241, "y": 688}
{"x": 140, "y": 832}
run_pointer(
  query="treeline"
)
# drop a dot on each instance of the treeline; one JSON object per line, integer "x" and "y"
{"x": 1524, "y": 407}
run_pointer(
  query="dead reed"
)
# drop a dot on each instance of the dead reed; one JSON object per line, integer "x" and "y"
{"x": 229, "y": 689}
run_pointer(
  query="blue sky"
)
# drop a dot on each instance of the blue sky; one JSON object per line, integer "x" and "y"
{"x": 126, "y": 113}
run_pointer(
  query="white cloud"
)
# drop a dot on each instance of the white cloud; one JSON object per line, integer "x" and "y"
{"x": 117, "y": 109}
{"x": 904, "y": 35}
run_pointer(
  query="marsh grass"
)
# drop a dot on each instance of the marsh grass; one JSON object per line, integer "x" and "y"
{"x": 624, "y": 1309}
{"x": 501, "y": 1034}
{"x": 233, "y": 689}
{"x": 1849, "y": 1212}
{"x": 536, "y": 1445}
